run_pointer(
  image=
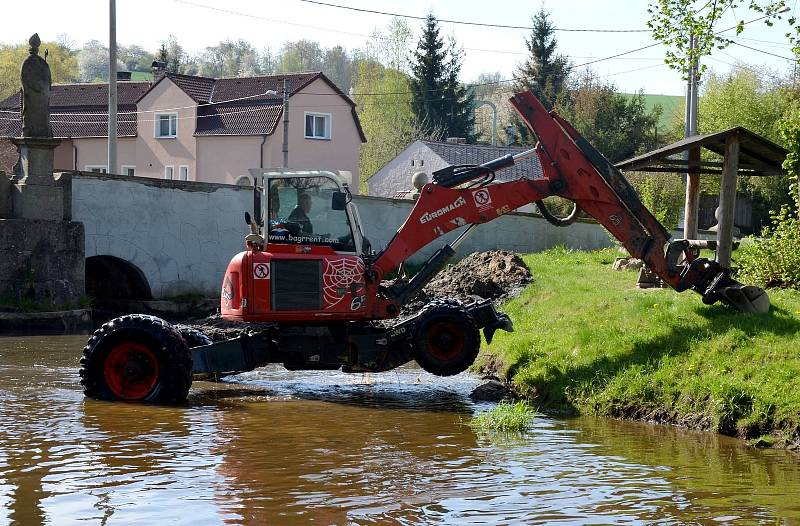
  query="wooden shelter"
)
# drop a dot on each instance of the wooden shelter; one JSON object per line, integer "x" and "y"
{"x": 743, "y": 153}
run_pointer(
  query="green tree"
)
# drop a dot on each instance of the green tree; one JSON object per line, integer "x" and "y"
{"x": 63, "y": 65}
{"x": 675, "y": 22}
{"x": 763, "y": 103}
{"x": 438, "y": 98}
{"x": 544, "y": 72}
{"x": 620, "y": 126}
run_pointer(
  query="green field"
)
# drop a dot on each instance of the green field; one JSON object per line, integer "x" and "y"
{"x": 672, "y": 105}
{"x": 588, "y": 341}
{"x": 141, "y": 76}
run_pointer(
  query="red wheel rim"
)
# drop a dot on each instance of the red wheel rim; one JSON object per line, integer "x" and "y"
{"x": 131, "y": 371}
{"x": 444, "y": 341}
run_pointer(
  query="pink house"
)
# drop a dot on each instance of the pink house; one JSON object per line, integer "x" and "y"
{"x": 203, "y": 129}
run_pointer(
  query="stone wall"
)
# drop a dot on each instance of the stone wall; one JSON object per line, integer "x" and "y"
{"x": 182, "y": 235}
{"x": 42, "y": 261}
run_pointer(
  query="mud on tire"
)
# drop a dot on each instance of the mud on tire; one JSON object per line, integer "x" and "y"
{"x": 137, "y": 358}
{"x": 447, "y": 340}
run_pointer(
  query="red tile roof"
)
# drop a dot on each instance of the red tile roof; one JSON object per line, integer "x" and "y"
{"x": 227, "y": 106}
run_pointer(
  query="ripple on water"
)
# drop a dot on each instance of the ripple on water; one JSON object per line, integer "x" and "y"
{"x": 274, "y": 447}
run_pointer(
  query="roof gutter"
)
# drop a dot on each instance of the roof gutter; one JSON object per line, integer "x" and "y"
{"x": 261, "y": 151}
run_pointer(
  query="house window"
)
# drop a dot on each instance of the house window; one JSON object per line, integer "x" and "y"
{"x": 318, "y": 125}
{"x": 166, "y": 125}
{"x": 169, "y": 172}
{"x": 183, "y": 172}
{"x": 128, "y": 170}
{"x": 96, "y": 168}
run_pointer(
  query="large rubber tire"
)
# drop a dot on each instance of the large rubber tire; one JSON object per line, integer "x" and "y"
{"x": 447, "y": 340}
{"x": 137, "y": 358}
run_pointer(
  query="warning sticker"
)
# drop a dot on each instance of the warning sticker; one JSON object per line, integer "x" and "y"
{"x": 482, "y": 198}
{"x": 261, "y": 271}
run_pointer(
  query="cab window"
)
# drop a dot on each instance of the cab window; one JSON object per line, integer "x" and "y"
{"x": 300, "y": 213}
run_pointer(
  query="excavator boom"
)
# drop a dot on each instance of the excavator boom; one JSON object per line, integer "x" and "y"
{"x": 573, "y": 169}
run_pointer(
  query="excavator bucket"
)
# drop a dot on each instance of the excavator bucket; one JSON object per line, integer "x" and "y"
{"x": 746, "y": 298}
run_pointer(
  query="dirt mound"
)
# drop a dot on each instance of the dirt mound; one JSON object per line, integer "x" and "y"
{"x": 219, "y": 329}
{"x": 494, "y": 275}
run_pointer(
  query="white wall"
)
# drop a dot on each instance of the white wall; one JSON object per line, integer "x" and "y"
{"x": 183, "y": 234}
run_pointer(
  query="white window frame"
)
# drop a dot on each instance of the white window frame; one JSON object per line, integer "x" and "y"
{"x": 157, "y": 125}
{"x": 125, "y": 167}
{"x": 180, "y": 175}
{"x": 328, "y": 125}
{"x": 93, "y": 167}
{"x": 171, "y": 169}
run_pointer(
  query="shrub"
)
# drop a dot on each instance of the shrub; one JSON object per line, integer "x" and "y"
{"x": 774, "y": 259}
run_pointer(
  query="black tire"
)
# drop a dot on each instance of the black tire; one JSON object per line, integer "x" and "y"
{"x": 137, "y": 358}
{"x": 197, "y": 338}
{"x": 447, "y": 340}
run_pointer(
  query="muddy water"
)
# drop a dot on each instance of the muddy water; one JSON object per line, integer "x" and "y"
{"x": 273, "y": 447}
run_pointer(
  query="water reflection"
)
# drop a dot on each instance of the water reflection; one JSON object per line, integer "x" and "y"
{"x": 294, "y": 448}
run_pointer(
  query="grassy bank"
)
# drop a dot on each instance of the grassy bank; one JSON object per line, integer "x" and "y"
{"x": 587, "y": 340}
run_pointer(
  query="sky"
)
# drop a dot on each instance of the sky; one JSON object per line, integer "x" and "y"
{"x": 268, "y": 23}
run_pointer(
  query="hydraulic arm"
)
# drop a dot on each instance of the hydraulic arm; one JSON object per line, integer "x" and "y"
{"x": 572, "y": 169}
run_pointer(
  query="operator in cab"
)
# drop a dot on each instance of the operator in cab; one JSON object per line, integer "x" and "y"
{"x": 300, "y": 213}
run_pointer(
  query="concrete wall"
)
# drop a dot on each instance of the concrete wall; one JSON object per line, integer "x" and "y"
{"x": 182, "y": 235}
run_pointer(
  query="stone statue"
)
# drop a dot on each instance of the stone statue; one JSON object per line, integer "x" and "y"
{"x": 36, "y": 83}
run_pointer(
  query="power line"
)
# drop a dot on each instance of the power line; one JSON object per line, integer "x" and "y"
{"x": 764, "y": 52}
{"x": 467, "y": 23}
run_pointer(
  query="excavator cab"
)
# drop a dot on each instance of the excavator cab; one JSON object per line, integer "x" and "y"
{"x": 304, "y": 256}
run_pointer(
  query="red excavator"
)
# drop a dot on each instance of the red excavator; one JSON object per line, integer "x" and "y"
{"x": 320, "y": 294}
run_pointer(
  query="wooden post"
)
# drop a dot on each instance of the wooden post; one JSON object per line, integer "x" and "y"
{"x": 727, "y": 200}
{"x": 692, "y": 195}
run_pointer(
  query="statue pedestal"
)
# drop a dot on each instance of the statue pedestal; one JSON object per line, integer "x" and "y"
{"x": 36, "y": 193}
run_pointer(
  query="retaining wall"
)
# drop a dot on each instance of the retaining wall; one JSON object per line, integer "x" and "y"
{"x": 182, "y": 234}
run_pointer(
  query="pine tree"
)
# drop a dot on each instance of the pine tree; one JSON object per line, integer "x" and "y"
{"x": 439, "y": 101}
{"x": 544, "y": 72}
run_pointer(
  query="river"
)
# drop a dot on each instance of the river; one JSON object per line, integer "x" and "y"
{"x": 279, "y": 447}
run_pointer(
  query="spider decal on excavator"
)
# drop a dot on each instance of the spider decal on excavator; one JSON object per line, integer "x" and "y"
{"x": 309, "y": 272}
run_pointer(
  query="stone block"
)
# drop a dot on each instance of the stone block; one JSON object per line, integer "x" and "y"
{"x": 43, "y": 261}
{"x": 36, "y": 201}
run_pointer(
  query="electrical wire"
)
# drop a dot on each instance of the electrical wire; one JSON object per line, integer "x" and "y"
{"x": 463, "y": 22}
{"x": 764, "y": 52}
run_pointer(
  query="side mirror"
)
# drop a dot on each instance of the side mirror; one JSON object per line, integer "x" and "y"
{"x": 257, "y": 204}
{"x": 338, "y": 201}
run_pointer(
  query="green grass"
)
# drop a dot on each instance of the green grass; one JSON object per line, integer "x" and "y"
{"x": 588, "y": 341}
{"x": 141, "y": 76}
{"x": 671, "y": 104}
{"x": 506, "y": 416}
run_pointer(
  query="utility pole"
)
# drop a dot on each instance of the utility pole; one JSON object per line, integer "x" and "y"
{"x": 692, "y": 203}
{"x": 285, "y": 123}
{"x": 112, "y": 88}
